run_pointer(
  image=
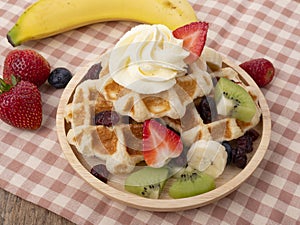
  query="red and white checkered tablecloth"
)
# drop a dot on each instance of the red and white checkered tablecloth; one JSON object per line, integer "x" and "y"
{"x": 32, "y": 164}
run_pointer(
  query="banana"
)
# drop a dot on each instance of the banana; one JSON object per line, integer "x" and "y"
{"x": 46, "y": 18}
{"x": 212, "y": 58}
{"x": 228, "y": 73}
{"x": 209, "y": 157}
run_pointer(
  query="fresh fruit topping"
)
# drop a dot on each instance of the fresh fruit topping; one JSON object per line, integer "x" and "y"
{"x": 228, "y": 150}
{"x": 27, "y": 65}
{"x": 212, "y": 58}
{"x": 261, "y": 70}
{"x": 191, "y": 183}
{"x": 100, "y": 172}
{"x": 207, "y": 109}
{"x": 209, "y": 157}
{"x": 147, "y": 182}
{"x": 233, "y": 100}
{"x": 20, "y": 104}
{"x": 160, "y": 144}
{"x": 59, "y": 77}
{"x": 107, "y": 118}
{"x": 194, "y": 38}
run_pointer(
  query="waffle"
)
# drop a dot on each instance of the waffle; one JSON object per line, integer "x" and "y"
{"x": 171, "y": 103}
{"x": 119, "y": 146}
{"x": 192, "y": 128}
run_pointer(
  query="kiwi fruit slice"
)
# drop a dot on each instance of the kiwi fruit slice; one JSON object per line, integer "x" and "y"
{"x": 233, "y": 100}
{"x": 191, "y": 183}
{"x": 147, "y": 182}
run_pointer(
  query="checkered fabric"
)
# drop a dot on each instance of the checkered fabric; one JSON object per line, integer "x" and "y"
{"x": 32, "y": 164}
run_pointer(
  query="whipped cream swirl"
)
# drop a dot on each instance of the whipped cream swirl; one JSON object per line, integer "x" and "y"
{"x": 147, "y": 59}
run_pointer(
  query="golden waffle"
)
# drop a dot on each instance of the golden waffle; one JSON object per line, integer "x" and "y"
{"x": 119, "y": 146}
{"x": 171, "y": 103}
{"x": 192, "y": 128}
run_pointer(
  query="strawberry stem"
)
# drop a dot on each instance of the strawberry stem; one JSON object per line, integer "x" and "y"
{"x": 14, "y": 80}
{"x": 4, "y": 86}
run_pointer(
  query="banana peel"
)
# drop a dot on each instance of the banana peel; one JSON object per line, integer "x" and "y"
{"x": 46, "y": 18}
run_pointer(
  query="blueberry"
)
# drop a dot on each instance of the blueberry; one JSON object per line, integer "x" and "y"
{"x": 59, "y": 77}
{"x": 228, "y": 149}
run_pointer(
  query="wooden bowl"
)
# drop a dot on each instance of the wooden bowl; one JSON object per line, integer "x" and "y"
{"x": 229, "y": 181}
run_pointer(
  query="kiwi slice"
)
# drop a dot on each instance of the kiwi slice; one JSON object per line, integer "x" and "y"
{"x": 233, "y": 100}
{"x": 147, "y": 182}
{"x": 191, "y": 183}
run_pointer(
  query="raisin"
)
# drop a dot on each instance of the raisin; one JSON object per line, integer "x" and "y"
{"x": 245, "y": 143}
{"x": 241, "y": 161}
{"x": 253, "y": 134}
{"x": 107, "y": 118}
{"x": 239, "y": 157}
{"x": 100, "y": 172}
{"x": 207, "y": 109}
{"x": 180, "y": 161}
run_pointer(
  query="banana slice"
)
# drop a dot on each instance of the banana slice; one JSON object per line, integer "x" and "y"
{"x": 228, "y": 73}
{"x": 207, "y": 156}
{"x": 212, "y": 58}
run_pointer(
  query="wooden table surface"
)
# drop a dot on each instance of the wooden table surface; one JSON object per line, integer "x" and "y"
{"x": 16, "y": 211}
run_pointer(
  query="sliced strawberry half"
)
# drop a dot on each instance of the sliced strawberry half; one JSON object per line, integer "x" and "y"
{"x": 194, "y": 38}
{"x": 160, "y": 144}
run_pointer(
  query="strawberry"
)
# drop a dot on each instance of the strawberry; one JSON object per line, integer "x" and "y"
{"x": 26, "y": 65}
{"x": 261, "y": 70}
{"x": 20, "y": 104}
{"x": 160, "y": 144}
{"x": 194, "y": 38}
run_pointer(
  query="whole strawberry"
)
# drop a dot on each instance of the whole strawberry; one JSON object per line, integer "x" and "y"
{"x": 20, "y": 105}
{"x": 261, "y": 70}
{"x": 27, "y": 65}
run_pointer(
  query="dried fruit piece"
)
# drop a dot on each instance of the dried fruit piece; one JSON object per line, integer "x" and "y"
{"x": 100, "y": 172}
{"x": 107, "y": 118}
{"x": 237, "y": 149}
{"x": 207, "y": 109}
{"x": 239, "y": 157}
